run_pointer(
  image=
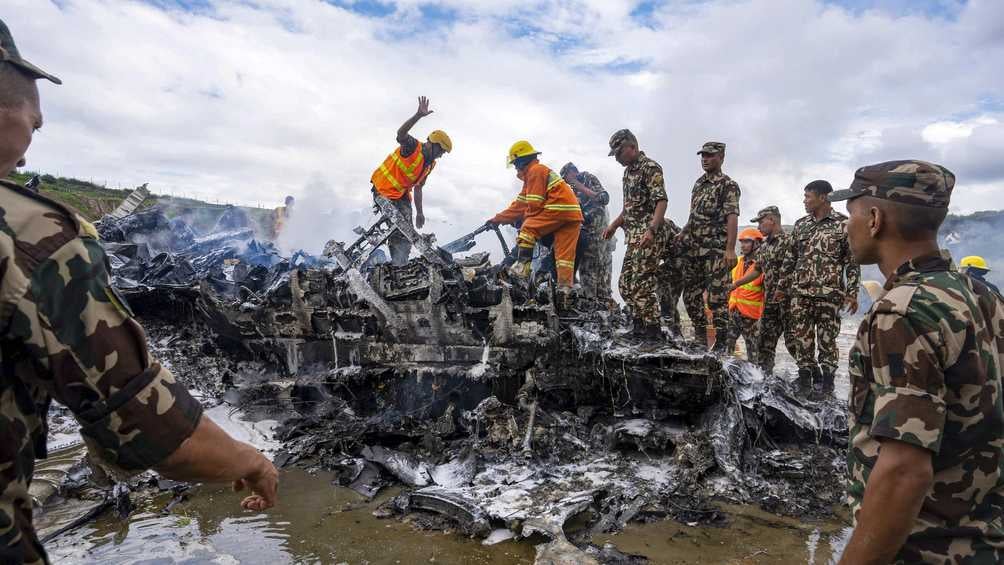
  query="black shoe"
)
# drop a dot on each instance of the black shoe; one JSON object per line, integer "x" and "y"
{"x": 804, "y": 380}
{"x": 827, "y": 377}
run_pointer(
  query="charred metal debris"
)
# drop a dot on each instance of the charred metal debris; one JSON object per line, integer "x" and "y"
{"x": 502, "y": 414}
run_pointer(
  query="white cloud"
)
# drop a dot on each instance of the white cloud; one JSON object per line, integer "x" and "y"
{"x": 253, "y": 101}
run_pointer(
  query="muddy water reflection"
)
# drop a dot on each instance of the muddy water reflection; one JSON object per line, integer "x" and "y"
{"x": 320, "y": 523}
{"x": 315, "y": 523}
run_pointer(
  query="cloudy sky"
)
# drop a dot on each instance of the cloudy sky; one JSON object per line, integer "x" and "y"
{"x": 246, "y": 101}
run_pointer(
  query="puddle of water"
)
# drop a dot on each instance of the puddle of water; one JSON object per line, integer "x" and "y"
{"x": 314, "y": 523}
{"x": 751, "y": 536}
{"x": 320, "y": 523}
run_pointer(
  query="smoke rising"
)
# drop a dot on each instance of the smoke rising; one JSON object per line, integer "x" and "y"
{"x": 321, "y": 213}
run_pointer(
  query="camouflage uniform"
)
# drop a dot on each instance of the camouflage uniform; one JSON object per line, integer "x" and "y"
{"x": 595, "y": 254}
{"x": 926, "y": 370}
{"x": 770, "y": 256}
{"x": 816, "y": 263}
{"x": 670, "y": 281}
{"x": 713, "y": 199}
{"x": 643, "y": 189}
{"x": 66, "y": 335}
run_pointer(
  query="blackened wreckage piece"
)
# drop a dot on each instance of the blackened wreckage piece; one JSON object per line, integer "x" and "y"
{"x": 492, "y": 407}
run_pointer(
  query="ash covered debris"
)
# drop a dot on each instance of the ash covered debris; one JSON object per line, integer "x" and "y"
{"x": 495, "y": 408}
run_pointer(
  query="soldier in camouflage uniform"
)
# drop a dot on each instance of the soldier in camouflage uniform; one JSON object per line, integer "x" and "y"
{"x": 770, "y": 255}
{"x": 594, "y": 256}
{"x": 68, "y": 336}
{"x": 670, "y": 279}
{"x": 642, "y": 219}
{"x": 708, "y": 243}
{"x": 822, "y": 276}
{"x": 926, "y": 449}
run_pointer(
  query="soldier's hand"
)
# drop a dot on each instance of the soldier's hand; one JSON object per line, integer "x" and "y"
{"x": 419, "y": 220}
{"x": 423, "y": 107}
{"x": 851, "y": 303}
{"x": 608, "y": 232}
{"x": 730, "y": 257}
{"x": 778, "y": 296}
{"x": 263, "y": 483}
{"x": 647, "y": 239}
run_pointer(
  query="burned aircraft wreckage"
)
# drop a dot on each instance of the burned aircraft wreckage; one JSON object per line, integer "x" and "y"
{"x": 500, "y": 413}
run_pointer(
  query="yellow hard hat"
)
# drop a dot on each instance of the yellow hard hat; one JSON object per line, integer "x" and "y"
{"x": 439, "y": 136}
{"x": 521, "y": 148}
{"x": 974, "y": 261}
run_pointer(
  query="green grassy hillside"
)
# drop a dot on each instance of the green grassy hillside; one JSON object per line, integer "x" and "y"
{"x": 92, "y": 202}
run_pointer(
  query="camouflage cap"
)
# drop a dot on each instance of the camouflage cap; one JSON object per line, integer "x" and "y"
{"x": 712, "y": 147}
{"x": 569, "y": 166}
{"x": 618, "y": 138}
{"x": 10, "y": 54}
{"x": 769, "y": 210}
{"x": 908, "y": 182}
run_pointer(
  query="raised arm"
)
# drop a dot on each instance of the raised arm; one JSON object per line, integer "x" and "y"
{"x": 423, "y": 111}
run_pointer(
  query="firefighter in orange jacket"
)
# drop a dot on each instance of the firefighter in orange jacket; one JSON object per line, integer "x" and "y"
{"x": 403, "y": 173}
{"x": 546, "y": 205}
{"x": 746, "y": 299}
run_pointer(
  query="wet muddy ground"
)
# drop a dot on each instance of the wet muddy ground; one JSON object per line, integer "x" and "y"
{"x": 319, "y": 522}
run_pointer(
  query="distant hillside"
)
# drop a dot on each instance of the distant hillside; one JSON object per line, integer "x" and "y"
{"x": 92, "y": 202}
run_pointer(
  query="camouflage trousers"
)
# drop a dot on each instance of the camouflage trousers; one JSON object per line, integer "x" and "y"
{"x": 670, "y": 291}
{"x": 638, "y": 282}
{"x": 746, "y": 328}
{"x": 595, "y": 259}
{"x": 773, "y": 324}
{"x": 711, "y": 274}
{"x": 815, "y": 322}
{"x": 400, "y": 246}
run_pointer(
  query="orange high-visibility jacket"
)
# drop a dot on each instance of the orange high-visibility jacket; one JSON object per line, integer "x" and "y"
{"x": 395, "y": 178}
{"x": 544, "y": 194}
{"x": 748, "y": 298}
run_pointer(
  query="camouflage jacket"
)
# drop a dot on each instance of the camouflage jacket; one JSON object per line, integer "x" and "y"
{"x": 926, "y": 370}
{"x": 712, "y": 200}
{"x": 818, "y": 261}
{"x": 769, "y": 259}
{"x": 66, "y": 335}
{"x": 597, "y": 204}
{"x": 643, "y": 189}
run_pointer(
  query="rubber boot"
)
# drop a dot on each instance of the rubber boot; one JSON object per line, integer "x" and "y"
{"x": 804, "y": 381}
{"x": 828, "y": 375}
{"x": 817, "y": 383}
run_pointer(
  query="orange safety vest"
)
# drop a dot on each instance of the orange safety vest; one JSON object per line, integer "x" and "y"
{"x": 544, "y": 194}
{"x": 748, "y": 298}
{"x": 395, "y": 178}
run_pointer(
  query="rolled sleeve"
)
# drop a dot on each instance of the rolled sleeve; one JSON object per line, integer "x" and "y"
{"x": 656, "y": 184}
{"x": 908, "y": 379}
{"x": 132, "y": 411}
{"x": 909, "y": 415}
{"x": 730, "y": 201}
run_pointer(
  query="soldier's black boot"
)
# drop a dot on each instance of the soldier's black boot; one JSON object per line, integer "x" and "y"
{"x": 828, "y": 377}
{"x": 818, "y": 389}
{"x": 804, "y": 381}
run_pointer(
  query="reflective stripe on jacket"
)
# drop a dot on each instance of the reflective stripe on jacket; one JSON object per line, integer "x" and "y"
{"x": 544, "y": 194}
{"x": 397, "y": 175}
{"x": 748, "y": 298}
